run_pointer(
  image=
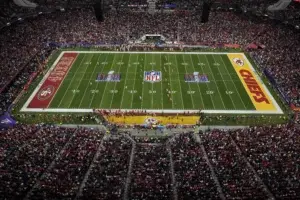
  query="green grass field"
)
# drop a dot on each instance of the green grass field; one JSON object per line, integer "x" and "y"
{"x": 80, "y": 90}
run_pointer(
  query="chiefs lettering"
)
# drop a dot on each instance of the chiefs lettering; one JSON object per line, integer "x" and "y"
{"x": 253, "y": 87}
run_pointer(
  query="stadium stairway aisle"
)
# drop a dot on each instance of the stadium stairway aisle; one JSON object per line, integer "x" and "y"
{"x": 151, "y": 176}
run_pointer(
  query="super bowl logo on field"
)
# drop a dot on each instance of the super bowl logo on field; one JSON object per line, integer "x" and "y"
{"x": 196, "y": 77}
{"x": 111, "y": 76}
{"x": 152, "y": 76}
{"x": 238, "y": 61}
{"x": 46, "y": 92}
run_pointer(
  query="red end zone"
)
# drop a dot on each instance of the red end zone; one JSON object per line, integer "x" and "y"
{"x": 45, "y": 94}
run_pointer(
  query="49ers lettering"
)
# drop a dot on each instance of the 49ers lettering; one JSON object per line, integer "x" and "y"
{"x": 253, "y": 87}
{"x": 50, "y": 86}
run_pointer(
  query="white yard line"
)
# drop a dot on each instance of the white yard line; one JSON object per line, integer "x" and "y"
{"x": 125, "y": 81}
{"x": 169, "y": 80}
{"x": 197, "y": 83}
{"x": 233, "y": 84}
{"x": 143, "y": 82}
{"x": 121, "y": 65}
{"x": 98, "y": 81}
{"x": 89, "y": 81}
{"x": 152, "y": 82}
{"x": 207, "y": 84}
{"x": 215, "y": 79}
{"x": 179, "y": 84}
{"x": 152, "y": 94}
{"x": 42, "y": 81}
{"x": 71, "y": 82}
{"x": 161, "y": 84}
{"x": 134, "y": 81}
{"x": 102, "y": 97}
{"x": 64, "y": 110}
{"x": 191, "y": 95}
{"x": 225, "y": 83}
{"x": 86, "y": 67}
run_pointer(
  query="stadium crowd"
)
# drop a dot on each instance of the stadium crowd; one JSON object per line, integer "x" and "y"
{"x": 44, "y": 162}
{"x": 274, "y": 154}
{"x": 26, "y": 153}
{"x": 109, "y": 171}
{"x": 192, "y": 173}
{"x": 236, "y": 178}
{"x": 64, "y": 176}
{"x": 151, "y": 176}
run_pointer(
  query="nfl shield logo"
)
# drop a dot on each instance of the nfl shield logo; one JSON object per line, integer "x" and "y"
{"x": 153, "y": 76}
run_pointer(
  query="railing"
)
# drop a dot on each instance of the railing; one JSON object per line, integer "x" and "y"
{"x": 128, "y": 178}
{"x": 174, "y": 185}
{"x": 87, "y": 174}
{"x": 219, "y": 188}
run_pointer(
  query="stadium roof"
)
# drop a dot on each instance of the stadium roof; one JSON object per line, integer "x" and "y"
{"x": 17, "y": 10}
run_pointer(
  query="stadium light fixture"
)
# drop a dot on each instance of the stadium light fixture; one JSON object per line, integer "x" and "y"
{"x": 297, "y": 27}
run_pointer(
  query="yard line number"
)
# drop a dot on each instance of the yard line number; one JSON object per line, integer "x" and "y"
{"x": 132, "y": 91}
{"x": 229, "y": 92}
{"x": 94, "y": 91}
{"x": 75, "y": 91}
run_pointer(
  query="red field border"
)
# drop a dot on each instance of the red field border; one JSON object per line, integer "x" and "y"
{"x": 44, "y": 95}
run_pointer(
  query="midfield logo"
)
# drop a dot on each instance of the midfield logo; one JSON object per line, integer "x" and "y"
{"x": 152, "y": 76}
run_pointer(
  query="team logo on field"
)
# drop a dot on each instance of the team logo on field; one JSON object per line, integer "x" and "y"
{"x": 152, "y": 76}
{"x": 238, "y": 61}
{"x": 46, "y": 92}
{"x": 151, "y": 120}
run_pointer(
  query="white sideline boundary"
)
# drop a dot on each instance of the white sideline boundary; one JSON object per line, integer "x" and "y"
{"x": 24, "y": 108}
{"x": 258, "y": 78}
{"x": 67, "y": 110}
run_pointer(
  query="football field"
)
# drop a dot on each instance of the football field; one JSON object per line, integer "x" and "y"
{"x": 169, "y": 82}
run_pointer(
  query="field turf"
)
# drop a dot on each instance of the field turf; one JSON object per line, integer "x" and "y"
{"x": 222, "y": 91}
